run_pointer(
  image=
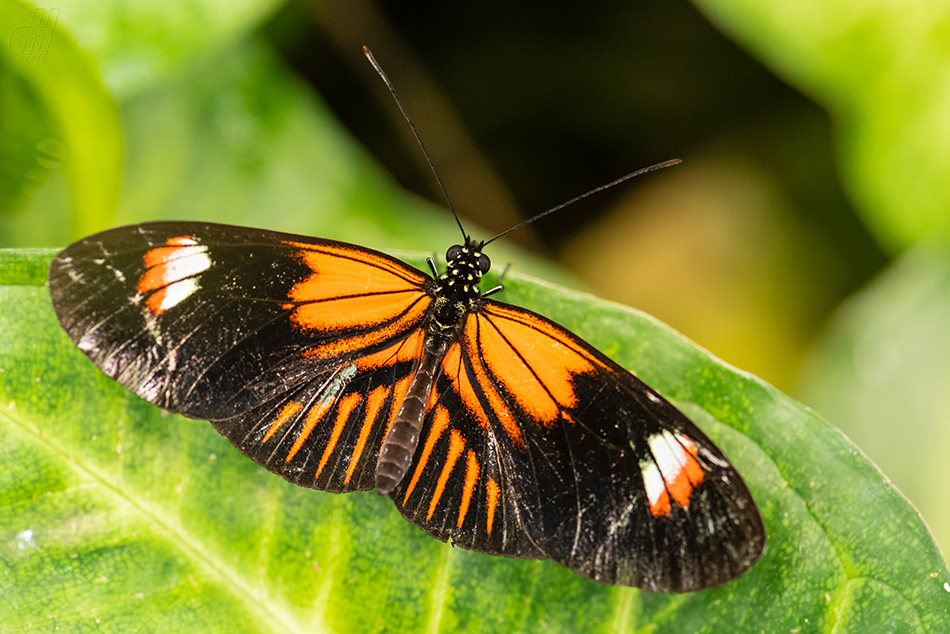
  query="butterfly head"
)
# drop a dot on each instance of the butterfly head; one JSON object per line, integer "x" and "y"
{"x": 465, "y": 265}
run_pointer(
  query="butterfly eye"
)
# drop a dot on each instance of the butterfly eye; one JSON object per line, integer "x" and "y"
{"x": 453, "y": 253}
{"x": 483, "y": 263}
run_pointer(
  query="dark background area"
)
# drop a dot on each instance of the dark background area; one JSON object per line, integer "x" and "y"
{"x": 523, "y": 107}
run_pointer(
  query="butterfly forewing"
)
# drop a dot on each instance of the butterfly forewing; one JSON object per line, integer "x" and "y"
{"x": 211, "y": 321}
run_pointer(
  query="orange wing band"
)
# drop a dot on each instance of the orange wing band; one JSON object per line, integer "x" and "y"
{"x": 440, "y": 423}
{"x": 471, "y": 479}
{"x": 456, "y": 446}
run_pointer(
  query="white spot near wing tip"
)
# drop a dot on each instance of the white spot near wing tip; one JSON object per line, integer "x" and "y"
{"x": 188, "y": 260}
{"x": 177, "y": 293}
{"x": 653, "y": 397}
{"x": 686, "y": 442}
{"x": 669, "y": 453}
{"x": 652, "y": 480}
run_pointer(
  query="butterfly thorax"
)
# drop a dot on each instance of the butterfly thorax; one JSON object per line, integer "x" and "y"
{"x": 455, "y": 294}
{"x": 457, "y": 290}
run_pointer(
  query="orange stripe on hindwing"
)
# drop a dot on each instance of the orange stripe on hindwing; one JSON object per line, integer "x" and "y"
{"x": 471, "y": 479}
{"x": 440, "y": 421}
{"x": 314, "y": 416}
{"x": 373, "y": 405}
{"x": 456, "y": 446}
{"x": 290, "y": 408}
{"x": 347, "y": 404}
{"x": 491, "y": 497}
{"x": 399, "y": 393}
{"x": 519, "y": 348}
{"x": 407, "y": 350}
{"x": 328, "y": 395}
{"x": 452, "y": 368}
{"x": 455, "y": 370}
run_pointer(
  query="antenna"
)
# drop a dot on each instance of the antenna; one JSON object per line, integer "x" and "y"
{"x": 372, "y": 60}
{"x": 639, "y": 172}
{"x": 445, "y": 194}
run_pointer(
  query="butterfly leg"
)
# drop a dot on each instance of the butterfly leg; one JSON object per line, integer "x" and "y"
{"x": 500, "y": 287}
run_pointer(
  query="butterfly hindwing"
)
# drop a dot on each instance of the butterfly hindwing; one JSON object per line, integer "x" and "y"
{"x": 560, "y": 453}
{"x": 326, "y": 433}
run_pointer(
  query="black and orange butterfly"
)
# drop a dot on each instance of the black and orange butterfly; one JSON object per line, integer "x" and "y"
{"x": 344, "y": 369}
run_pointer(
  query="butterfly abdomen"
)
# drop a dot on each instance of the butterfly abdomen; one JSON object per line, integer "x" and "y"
{"x": 456, "y": 291}
{"x": 402, "y": 439}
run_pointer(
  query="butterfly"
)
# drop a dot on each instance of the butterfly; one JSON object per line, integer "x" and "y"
{"x": 341, "y": 368}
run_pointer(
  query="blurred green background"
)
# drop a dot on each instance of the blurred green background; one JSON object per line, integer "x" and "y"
{"x": 804, "y": 238}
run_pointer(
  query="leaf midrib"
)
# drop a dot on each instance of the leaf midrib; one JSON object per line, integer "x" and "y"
{"x": 230, "y": 580}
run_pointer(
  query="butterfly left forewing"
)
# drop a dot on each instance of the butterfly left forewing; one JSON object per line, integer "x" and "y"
{"x": 212, "y": 320}
{"x": 588, "y": 466}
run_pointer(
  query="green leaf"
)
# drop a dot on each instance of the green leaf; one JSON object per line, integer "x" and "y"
{"x": 23, "y": 130}
{"x": 140, "y": 45}
{"x": 51, "y": 73}
{"x": 115, "y": 515}
{"x": 880, "y": 68}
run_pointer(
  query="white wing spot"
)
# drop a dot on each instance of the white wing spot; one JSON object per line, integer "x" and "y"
{"x": 177, "y": 293}
{"x": 188, "y": 261}
{"x": 652, "y": 481}
{"x": 669, "y": 454}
